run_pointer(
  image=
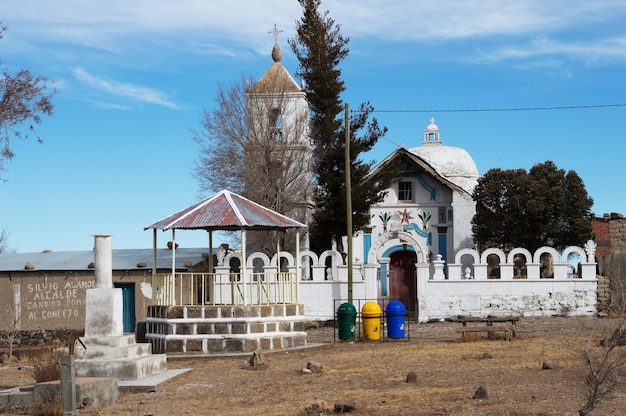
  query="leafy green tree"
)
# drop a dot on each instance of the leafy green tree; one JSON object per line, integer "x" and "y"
{"x": 24, "y": 98}
{"x": 320, "y": 47}
{"x": 544, "y": 206}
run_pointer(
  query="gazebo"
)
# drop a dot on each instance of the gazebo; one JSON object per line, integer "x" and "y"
{"x": 224, "y": 211}
{"x": 221, "y": 310}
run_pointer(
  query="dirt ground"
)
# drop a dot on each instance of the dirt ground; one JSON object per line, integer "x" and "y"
{"x": 449, "y": 371}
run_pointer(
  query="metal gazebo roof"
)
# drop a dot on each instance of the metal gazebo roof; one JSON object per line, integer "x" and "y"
{"x": 226, "y": 211}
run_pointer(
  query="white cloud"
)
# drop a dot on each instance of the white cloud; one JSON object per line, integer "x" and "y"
{"x": 89, "y": 22}
{"x": 137, "y": 32}
{"x": 124, "y": 90}
{"x": 589, "y": 52}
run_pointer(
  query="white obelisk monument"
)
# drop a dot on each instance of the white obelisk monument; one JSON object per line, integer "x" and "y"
{"x": 104, "y": 311}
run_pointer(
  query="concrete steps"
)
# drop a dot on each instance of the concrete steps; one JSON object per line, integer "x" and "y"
{"x": 119, "y": 357}
{"x": 217, "y": 329}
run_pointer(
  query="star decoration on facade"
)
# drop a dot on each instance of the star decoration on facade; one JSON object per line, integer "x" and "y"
{"x": 406, "y": 217}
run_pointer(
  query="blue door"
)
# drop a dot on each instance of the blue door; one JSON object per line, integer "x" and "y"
{"x": 128, "y": 305}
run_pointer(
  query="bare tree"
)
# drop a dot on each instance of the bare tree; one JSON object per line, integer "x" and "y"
{"x": 4, "y": 241}
{"x": 603, "y": 363}
{"x": 24, "y": 98}
{"x": 13, "y": 335}
{"x": 255, "y": 142}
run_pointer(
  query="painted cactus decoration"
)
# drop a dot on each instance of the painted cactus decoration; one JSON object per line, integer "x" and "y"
{"x": 424, "y": 217}
{"x": 385, "y": 217}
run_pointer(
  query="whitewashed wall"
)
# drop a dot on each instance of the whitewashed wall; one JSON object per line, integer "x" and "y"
{"x": 453, "y": 290}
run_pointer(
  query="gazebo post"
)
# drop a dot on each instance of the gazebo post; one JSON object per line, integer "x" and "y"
{"x": 211, "y": 251}
{"x": 154, "y": 264}
{"x": 211, "y": 270}
{"x": 173, "y": 281}
{"x": 243, "y": 266}
{"x": 278, "y": 279}
{"x": 298, "y": 269}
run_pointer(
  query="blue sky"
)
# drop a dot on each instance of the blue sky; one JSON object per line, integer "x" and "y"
{"x": 134, "y": 76}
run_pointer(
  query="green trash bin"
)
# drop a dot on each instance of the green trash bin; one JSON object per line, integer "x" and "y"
{"x": 346, "y": 317}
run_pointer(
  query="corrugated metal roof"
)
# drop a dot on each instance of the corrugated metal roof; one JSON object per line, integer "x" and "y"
{"x": 125, "y": 259}
{"x": 226, "y": 211}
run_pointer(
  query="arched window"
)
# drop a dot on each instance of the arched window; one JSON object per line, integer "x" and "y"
{"x": 276, "y": 123}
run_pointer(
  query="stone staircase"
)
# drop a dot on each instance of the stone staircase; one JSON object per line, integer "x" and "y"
{"x": 219, "y": 329}
{"x": 117, "y": 356}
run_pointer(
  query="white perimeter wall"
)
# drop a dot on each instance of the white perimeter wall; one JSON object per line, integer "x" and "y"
{"x": 521, "y": 297}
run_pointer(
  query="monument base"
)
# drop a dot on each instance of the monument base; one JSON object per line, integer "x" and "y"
{"x": 105, "y": 350}
{"x": 118, "y": 357}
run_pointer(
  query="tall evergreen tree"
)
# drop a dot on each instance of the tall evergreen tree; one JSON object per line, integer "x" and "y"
{"x": 320, "y": 47}
{"x": 544, "y": 206}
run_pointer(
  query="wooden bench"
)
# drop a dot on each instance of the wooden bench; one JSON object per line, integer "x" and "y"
{"x": 489, "y": 320}
{"x": 490, "y": 329}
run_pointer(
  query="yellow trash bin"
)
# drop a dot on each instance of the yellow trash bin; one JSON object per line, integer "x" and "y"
{"x": 371, "y": 314}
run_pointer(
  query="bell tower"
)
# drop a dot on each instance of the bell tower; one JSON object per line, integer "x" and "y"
{"x": 278, "y": 147}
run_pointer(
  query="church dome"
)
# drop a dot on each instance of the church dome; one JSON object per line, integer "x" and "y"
{"x": 452, "y": 163}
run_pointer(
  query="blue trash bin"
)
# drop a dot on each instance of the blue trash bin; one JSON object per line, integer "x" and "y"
{"x": 395, "y": 319}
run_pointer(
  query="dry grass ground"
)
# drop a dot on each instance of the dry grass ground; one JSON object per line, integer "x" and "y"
{"x": 449, "y": 371}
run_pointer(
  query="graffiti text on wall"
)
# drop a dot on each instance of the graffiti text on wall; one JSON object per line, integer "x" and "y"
{"x": 56, "y": 300}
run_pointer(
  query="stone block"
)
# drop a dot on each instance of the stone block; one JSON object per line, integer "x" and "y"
{"x": 216, "y": 345}
{"x": 252, "y": 344}
{"x": 267, "y": 310}
{"x": 239, "y": 328}
{"x": 226, "y": 312}
{"x": 291, "y": 309}
{"x": 211, "y": 311}
{"x": 239, "y": 312}
{"x": 185, "y": 329}
{"x": 266, "y": 343}
{"x": 278, "y": 342}
{"x": 174, "y": 345}
{"x": 104, "y": 317}
{"x": 234, "y": 345}
{"x": 204, "y": 329}
{"x": 194, "y": 311}
{"x": 222, "y": 329}
{"x": 285, "y": 326}
{"x": 194, "y": 345}
{"x": 299, "y": 340}
{"x": 90, "y": 391}
{"x": 175, "y": 312}
{"x": 257, "y": 327}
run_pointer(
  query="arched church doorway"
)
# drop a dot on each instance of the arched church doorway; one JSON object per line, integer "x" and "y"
{"x": 403, "y": 279}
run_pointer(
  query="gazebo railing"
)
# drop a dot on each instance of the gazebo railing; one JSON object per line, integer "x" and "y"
{"x": 263, "y": 288}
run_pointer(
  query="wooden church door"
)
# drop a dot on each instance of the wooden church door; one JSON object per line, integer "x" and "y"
{"x": 403, "y": 279}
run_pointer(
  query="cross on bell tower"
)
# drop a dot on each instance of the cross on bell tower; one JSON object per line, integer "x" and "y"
{"x": 275, "y": 32}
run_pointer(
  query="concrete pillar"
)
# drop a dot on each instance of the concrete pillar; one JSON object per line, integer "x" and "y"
{"x": 104, "y": 303}
{"x": 68, "y": 385}
{"x": 103, "y": 260}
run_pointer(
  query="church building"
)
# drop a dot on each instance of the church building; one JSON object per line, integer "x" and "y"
{"x": 432, "y": 202}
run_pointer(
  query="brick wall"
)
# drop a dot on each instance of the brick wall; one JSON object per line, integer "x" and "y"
{"x": 610, "y": 236}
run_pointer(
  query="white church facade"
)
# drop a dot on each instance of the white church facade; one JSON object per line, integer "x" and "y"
{"x": 431, "y": 202}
